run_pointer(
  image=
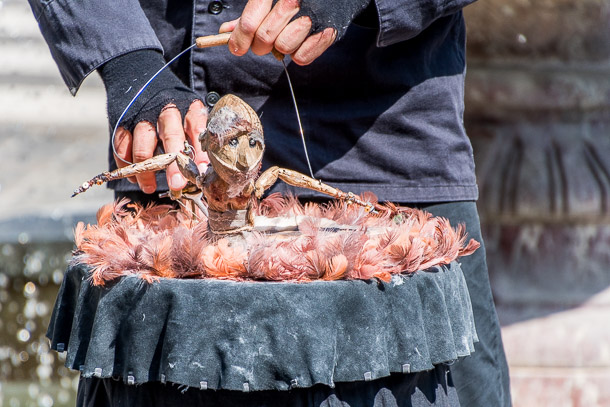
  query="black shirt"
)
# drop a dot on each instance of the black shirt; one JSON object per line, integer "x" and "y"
{"x": 382, "y": 108}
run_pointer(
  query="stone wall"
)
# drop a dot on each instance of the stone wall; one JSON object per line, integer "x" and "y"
{"x": 538, "y": 113}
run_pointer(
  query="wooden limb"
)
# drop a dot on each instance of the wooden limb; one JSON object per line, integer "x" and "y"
{"x": 265, "y": 181}
{"x": 297, "y": 179}
{"x": 187, "y": 167}
{"x": 156, "y": 163}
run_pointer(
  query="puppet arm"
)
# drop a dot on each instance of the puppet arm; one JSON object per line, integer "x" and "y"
{"x": 294, "y": 178}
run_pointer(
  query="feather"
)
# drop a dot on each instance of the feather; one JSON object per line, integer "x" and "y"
{"x": 157, "y": 257}
{"x": 336, "y": 268}
{"x": 271, "y": 206}
{"x": 79, "y": 232}
{"x": 224, "y": 261}
{"x": 366, "y": 265}
{"x": 383, "y": 275}
{"x": 472, "y": 246}
{"x": 159, "y": 242}
{"x": 315, "y": 265}
{"x": 185, "y": 254}
{"x": 104, "y": 214}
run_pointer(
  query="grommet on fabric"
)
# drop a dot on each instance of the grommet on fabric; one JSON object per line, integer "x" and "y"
{"x": 246, "y": 387}
{"x": 215, "y": 7}
{"x": 368, "y": 376}
{"x": 212, "y": 98}
{"x": 81, "y": 368}
{"x": 97, "y": 372}
{"x": 203, "y": 385}
{"x": 294, "y": 383}
{"x": 163, "y": 378}
{"x": 61, "y": 347}
{"x": 131, "y": 380}
{"x": 406, "y": 368}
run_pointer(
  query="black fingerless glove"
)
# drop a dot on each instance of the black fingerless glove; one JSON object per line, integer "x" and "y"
{"x": 337, "y": 14}
{"x": 125, "y": 75}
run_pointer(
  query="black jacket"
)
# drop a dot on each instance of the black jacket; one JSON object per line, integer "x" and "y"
{"x": 382, "y": 108}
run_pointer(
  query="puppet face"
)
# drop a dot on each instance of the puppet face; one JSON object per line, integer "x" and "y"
{"x": 243, "y": 151}
{"x": 234, "y": 138}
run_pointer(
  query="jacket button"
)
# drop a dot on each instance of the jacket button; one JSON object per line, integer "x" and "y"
{"x": 212, "y": 98}
{"x": 215, "y": 7}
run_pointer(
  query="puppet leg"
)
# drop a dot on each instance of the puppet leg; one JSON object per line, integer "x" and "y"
{"x": 156, "y": 163}
{"x": 297, "y": 179}
{"x": 187, "y": 167}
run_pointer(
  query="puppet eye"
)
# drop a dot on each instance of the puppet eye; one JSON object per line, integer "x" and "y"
{"x": 252, "y": 142}
{"x": 233, "y": 142}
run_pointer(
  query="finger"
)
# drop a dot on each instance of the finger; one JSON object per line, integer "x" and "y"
{"x": 171, "y": 133}
{"x": 194, "y": 124}
{"x": 144, "y": 144}
{"x": 314, "y": 46}
{"x": 295, "y": 33}
{"x": 272, "y": 26}
{"x": 122, "y": 149}
{"x": 228, "y": 26}
{"x": 251, "y": 18}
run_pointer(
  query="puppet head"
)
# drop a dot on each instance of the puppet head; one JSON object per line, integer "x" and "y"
{"x": 233, "y": 138}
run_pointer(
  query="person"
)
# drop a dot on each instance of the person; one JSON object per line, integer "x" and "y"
{"x": 380, "y": 89}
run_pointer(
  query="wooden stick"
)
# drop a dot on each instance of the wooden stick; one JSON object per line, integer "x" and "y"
{"x": 213, "y": 40}
{"x": 223, "y": 39}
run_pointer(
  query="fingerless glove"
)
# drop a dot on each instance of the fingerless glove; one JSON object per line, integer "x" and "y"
{"x": 337, "y": 14}
{"x": 125, "y": 75}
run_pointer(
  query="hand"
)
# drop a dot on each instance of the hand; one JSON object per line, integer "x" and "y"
{"x": 172, "y": 133}
{"x": 157, "y": 111}
{"x": 262, "y": 28}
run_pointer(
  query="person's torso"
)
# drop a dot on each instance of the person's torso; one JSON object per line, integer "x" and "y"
{"x": 381, "y": 119}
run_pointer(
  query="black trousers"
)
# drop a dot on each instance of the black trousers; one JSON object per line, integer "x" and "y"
{"x": 481, "y": 379}
{"x": 429, "y": 388}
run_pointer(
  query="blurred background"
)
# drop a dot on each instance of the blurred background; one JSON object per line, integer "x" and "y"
{"x": 50, "y": 143}
{"x": 538, "y": 114}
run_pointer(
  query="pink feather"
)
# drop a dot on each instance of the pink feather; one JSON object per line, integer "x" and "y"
{"x": 159, "y": 242}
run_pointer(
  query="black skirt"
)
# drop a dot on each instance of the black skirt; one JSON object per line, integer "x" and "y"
{"x": 210, "y": 342}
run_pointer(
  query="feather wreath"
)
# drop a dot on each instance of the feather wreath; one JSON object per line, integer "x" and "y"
{"x": 331, "y": 242}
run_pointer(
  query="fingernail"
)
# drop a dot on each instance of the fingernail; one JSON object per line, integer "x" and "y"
{"x": 147, "y": 189}
{"x": 177, "y": 181}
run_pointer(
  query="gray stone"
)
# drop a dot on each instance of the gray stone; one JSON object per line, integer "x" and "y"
{"x": 553, "y": 30}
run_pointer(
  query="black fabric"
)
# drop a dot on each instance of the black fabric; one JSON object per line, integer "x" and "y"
{"x": 337, "y": 14}
{"x": 145, "y": 199}
{"x": 422, "y": 389}
{"x": 172, "y": 21}
{"x": 261, "y": 335}
{"x": 481, "y": 379}
{"x": 124, "y": 76}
